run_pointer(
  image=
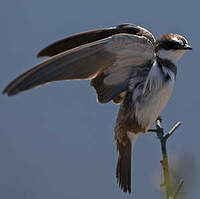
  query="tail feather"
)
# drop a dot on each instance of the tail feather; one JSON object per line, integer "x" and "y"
{"x": 123, "y": 171}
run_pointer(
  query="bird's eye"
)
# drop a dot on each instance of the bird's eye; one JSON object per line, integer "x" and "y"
{"x": 172, "y": 45}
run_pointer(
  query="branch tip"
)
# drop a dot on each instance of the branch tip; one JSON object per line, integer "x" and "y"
{"x": 172, "y": 130}
{"x": 180, "y": 185}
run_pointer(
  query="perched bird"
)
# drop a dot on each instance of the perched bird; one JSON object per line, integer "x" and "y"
{"x": 126, "y": 65}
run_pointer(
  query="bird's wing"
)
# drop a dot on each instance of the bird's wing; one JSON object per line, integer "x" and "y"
{"x": 92, "y": 36}
{"x": 109, "y": 62}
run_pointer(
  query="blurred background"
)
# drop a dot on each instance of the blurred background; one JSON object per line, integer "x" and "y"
{"x": 56, "y": 141}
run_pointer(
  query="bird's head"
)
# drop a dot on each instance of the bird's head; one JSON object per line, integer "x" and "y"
{"x": 171, "y": 47}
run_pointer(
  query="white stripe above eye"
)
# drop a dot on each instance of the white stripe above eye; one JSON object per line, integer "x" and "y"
{"x": 177, "y": 40}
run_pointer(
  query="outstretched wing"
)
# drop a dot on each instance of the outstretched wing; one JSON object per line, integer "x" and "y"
{"x": 92, "y": 36}
{"x": 110, "y": 63}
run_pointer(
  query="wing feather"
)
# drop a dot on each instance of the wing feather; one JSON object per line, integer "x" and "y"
{"x": 79, "y": 63}
{"x": 109, "y": 62}
{"x": 133, "y": 56}
{"x": 92, "y": 36}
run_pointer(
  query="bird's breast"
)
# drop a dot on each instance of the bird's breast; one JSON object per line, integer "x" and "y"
{"x": 154, "y": 99}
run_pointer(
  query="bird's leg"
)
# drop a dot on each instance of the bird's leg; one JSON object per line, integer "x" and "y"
{"x": 159, "y": 118}
{"x": 159, "y": 129}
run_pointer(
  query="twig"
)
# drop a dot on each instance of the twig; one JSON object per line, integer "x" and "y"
{"x": 172, "y": 130}
{"x": 164, "y": 162}
{"x": 178, "y": 189}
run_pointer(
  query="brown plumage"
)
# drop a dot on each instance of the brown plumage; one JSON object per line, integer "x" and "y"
{"x": 126, "y": 66}
{"x": 92, "y": 36}
{"x": 126, "y": 122}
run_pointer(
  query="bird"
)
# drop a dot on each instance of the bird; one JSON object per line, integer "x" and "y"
{"x": 125, "y": 65}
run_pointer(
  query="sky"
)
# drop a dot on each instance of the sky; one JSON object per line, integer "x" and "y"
{"x": 57, "y": 141}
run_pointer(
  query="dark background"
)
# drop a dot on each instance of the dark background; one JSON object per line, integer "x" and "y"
{"x": 56, "y": 141}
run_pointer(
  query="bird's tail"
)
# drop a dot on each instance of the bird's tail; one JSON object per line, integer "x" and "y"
{"x": 123, "y": 171}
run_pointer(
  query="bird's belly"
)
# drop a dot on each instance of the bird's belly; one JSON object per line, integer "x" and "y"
{"x": 150, "y": 105}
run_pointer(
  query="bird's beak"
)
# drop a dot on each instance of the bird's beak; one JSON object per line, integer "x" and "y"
{"x": 187, "y": 47}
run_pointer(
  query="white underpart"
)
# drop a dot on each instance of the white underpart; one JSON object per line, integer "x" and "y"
{"x": 153, "y": 102}
{"x": 132, "y": 137}
{"x": 172, "y": 55}
{"x": 170, "y": 73}
{"x": 154, "y": 79}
